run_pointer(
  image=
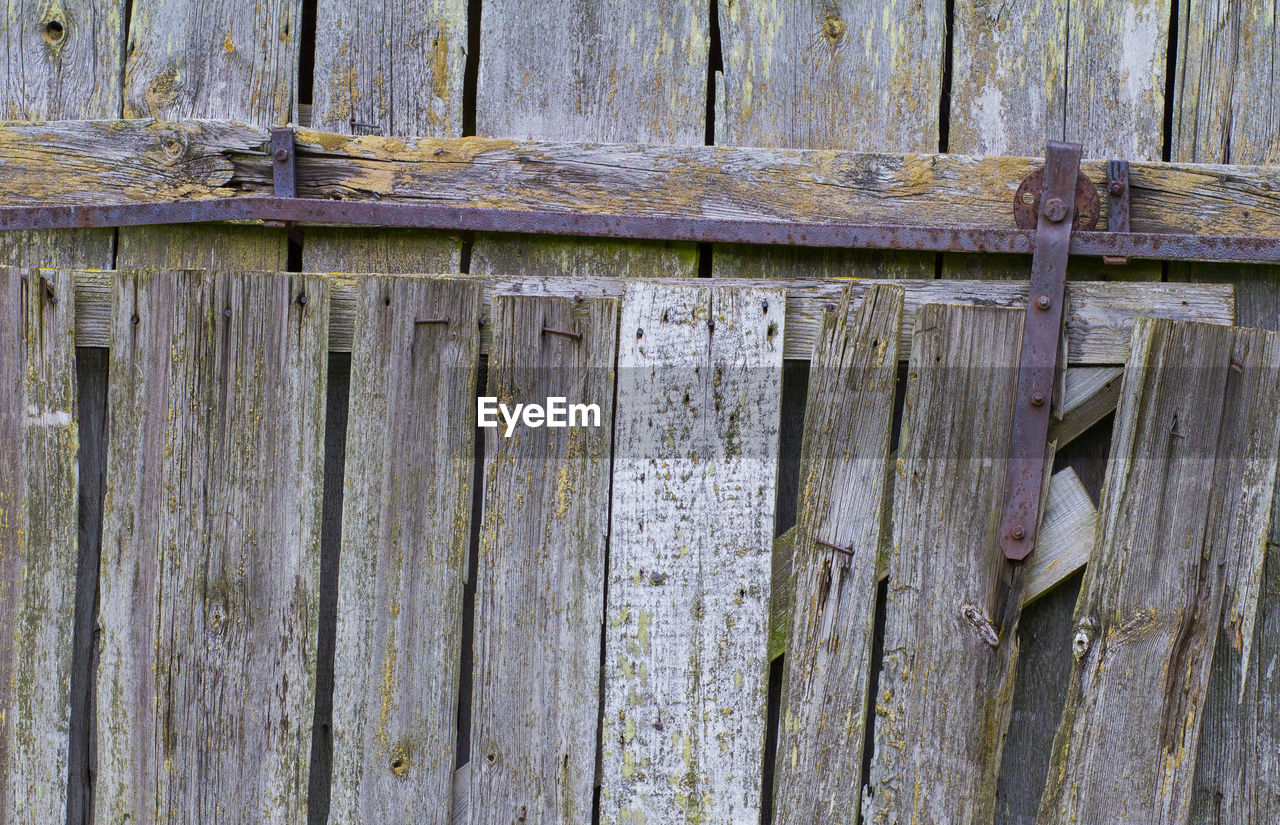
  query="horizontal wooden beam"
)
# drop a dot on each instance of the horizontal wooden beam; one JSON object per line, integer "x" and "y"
{"x": 120, "y": 161}
{"x": 1099, "y": 314}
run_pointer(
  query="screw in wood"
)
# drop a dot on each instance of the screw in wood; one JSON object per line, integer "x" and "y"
{"x": 1018, "y": 532}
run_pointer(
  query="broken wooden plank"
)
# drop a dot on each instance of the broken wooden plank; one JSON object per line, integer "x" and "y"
{"x": 950, "y": 644}
{"x": 1186, "y": 509}
{"x": 1099, "y": 314}
{"x": 541, "y": 584}
{"x": 405, "y": 534}
{"x": 98, "y": 162}
{"x": 211, "y": 537}
{"x": 848, "y": 421}
{"x": 38, "y": 549}
{"x": 1065, "y": 537}
{"x": 1091, "y": 395}
{"x": 699, "y": 378}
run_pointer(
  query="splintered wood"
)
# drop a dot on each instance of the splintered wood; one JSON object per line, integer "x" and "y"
{"x": 837, "y": 540}
{"x": 1186, "y": 510}
{"x": 405, "y": 532}
{"x": 38, "y": 454}
{"x": 211, "y": 547}
{"x": 699, "y": 383}
{"x": 540, "y": 594}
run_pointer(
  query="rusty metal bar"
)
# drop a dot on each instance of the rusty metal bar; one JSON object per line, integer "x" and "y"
{"x": 640, "y": 227}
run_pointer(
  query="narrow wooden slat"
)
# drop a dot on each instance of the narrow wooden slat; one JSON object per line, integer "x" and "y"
{"x": 848, "y": 420}
{"x": 1091, "y": 394}
{"x": 211, "y": 547}
{"x": 1098, "y": 321}
{"x": 38, "y": 452}
{"x": 1186, "y": 509}
{"x": 405, "y": 533}
{"x": 540, "y": 591}
{"x": 950, "y": 644}
{"x": 693, "y": 494}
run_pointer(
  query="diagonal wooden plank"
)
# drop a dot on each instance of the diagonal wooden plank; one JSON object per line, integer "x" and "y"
{"x": 1186, "y": 509}
{"x": 699, "y": 379}
{"x": 848, "y": 421}
{"x": 211, "y": 547}
{"x": 540, "y": 589}
{"x": 405, "y": 533}
{"x": 950, "y": 642}
{"x": 38, "y": 466}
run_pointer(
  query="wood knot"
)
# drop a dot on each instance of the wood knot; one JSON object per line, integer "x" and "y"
{"x": 834, "y": 28}
{"x": 55, "y": 31}
{"x": 979, "y": 622}
{"x": 1083, "y": 640}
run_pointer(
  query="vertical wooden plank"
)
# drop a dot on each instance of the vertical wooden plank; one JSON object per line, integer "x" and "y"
{"x": 38, "y": 451}
{"x": 863, "y": 75}
{"x": 699, "y": 378}
{"x": 211, "y": 546}
{"x": 1186, "y": 509}
{"x": 950, "y": 644}
{"x": 387, "y": 68}
{"x": 848, "y": 421}
{"x": 232, "y": 59}
{"x": 540, "y": 589}
{"x": 405, "y": 532}
{"x": 1224, "y": 111}
{"x": 614, "y": 71}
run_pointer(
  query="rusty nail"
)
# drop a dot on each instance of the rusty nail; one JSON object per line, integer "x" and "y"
{"x": 1044, "y": 302}
{"x": 421, "y": 321}
{"x": 482, "y": 321}
{"x": 49, "y": 294}
{"x": 766, "y": 306}
{"x": 1037, "y": 399}
{"x": 711, "y": 324}
{"x": 567, "y": 333}
{"x": 639, "y": 332}
{"x": 302, "y": 299}
{"x": 356, "y": 124}
{"x": 835, "y": 547}
{"x": 1018, "y": 532}
{"x": 1055, "y": 210}
{"x": 282, "y": 155}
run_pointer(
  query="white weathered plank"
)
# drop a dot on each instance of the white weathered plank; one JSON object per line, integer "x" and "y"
{"x": 1065, "y": 538}
{"x": 38, "y": 474}
{"x": 848, "y": 422}
{"x": 211, "y": 537}
{"x": 1098, "y": 320}
{"x": 699, "y": 385}
{"x": 541, "y": 584}
{"x": 1186, "y": 509}
{"x": 405, "y": 533}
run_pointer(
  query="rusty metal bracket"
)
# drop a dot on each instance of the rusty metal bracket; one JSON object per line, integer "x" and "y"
{"x": 284, "y": 173}
{"x": 1118, "y": 202}
{"x": 1041, "y": 334}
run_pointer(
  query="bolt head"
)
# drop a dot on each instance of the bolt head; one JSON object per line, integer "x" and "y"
{"x": 1019, "y": 533}
{"x": 1044, "y": 302}
{"x": 1037, "y": 399}
{"x": 282, "y": 155}
{"x": 1055, "y": 210}
{"x": 1117, "y": 188}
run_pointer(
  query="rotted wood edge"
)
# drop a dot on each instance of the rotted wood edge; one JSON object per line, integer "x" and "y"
{"x": 1099, "y": 316}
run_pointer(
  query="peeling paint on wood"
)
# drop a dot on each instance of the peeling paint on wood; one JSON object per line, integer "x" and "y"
{"x": 848, "y": 420}
{"x": 950, "y": 645}
{"x": 699, "y": 386}
{"x": 1186, "y": 509}
{"x": 211, "y": 547}
{"x": 38, "y": 551}
{"x": 406, "y": 527}
{"x": 541, "y": 586}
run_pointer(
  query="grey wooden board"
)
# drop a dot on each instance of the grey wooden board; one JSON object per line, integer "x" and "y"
{"x": 405, "y": 533}
{"x": 693, "y": 495}
{"x": 614, "y": 70}
{"x": 211, "y": 547}
{"x": 950, "y": 646}
{"x": 1098, "y": 318}
{"x": 1186, "y": 509}
{"x": 540, "y": 589}
{"x": 38, "y": 550}
{"x": 848, "y": 420}
{"x": 1224, "y": 108}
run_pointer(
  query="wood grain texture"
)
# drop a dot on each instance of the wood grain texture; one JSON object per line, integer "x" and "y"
{"x": 616, "y": 70}
{"x": 406, "y": 527}
{"x": 1186, "y": 509}
{"x": 541, "y": 584}
{"x": 211, "y": 546}
{"x": 950, "y": 645}
{"x": 848, "y": 420}
{"x": 693, "y": 496}
{"x": 38, "y": 550}
{"x": 1099, "y": 315}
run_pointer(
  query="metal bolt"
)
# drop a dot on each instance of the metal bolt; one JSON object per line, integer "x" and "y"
{"x": 1117, "y": 188}
{"x": 1055, "y": 210}
{"x": 1028, "y": 198}
{"x": 1044, "y": 302}
{"x": 282, "y": 155}
{"x": 1037, "y": 399}
{"x": 1019, "y": 533}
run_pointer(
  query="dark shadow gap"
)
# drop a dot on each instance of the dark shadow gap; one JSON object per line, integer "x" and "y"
{"x": 471, "y": 69}
{"x": 715, "y": 64}
{"x": 1171, "y": 83}
{"x": 944, "y": 105}
{"x": 92, "y": 370}
{"x": 873, "y": 683}
{"x": 467, "y": 650}
{"x": 795, "y": 394}
{"x": 773, "y": 708}
{"x": 307, "y": 53}
{"x": 335, "y": 455}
